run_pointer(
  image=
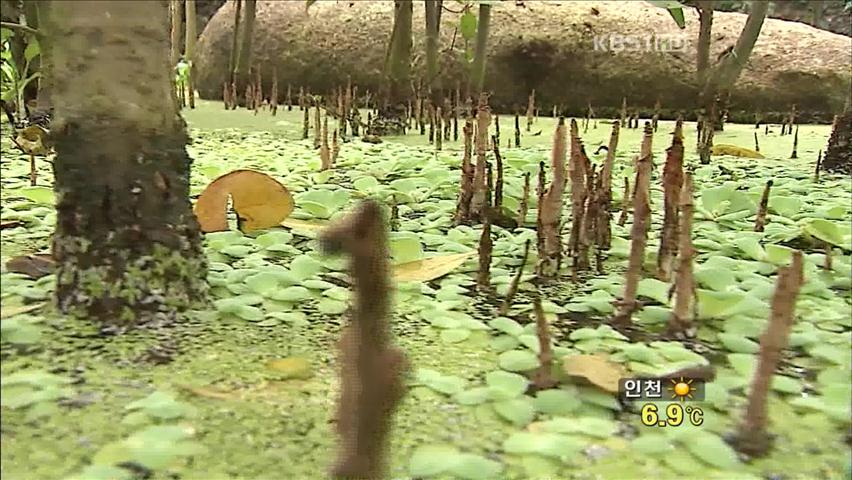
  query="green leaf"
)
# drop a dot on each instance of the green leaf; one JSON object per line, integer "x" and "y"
{"x": 743, "y": 363}
{"x": 546, "y": 444}
{"x": 102, "y": 472}
{"x": 712, "y": 450}
{"x": 304, "y": 267}
{"x": 654, "y": 444}
{"x": 517, "y": 360}
{"x": 291, "y": 294}
{"x": 506, "y": 385}
{"x": 590, "y": 426}
{"x": 432, "y": 460}
{"x": 518, "y": 411}
{"x": 828, "y": 232}
{"x": 454, "y": 335}
{"x": 556, "y": 402}
{"x": 507, "y": 326}
{"x": 473, "y": 396}
{"x": 248, "y": 312}
{"x": 41, "y": 195}
{"x": 653, "y": 288}
{"x": 738, "y": 343}
{"x": 474, "y": 467}
{"x": 32, "y": 49}
{"x": 467, "y": 25}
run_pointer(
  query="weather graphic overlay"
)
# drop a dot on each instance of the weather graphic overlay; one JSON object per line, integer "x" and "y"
{"x": 683, "y": 388}
{"x": 678, "y": 392}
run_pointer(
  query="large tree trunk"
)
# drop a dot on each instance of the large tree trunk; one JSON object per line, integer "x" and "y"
{"x": 232, "y": 60}
{"x": 127, "y": 244}
{"x": 433, "y": 30}
{"x": 176, "y": 9}
{"x": 705, "y": 19}
{"x": 391, "y": 120}
{"x": 189, "y": 50}
{"x": 477, "y": 77}
{"x": 244, "y": 55}
{"x": 725, "y": 74}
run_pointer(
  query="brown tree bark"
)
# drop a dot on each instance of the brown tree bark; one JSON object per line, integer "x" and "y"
{"x": 672, "y": 183}
{"x": 705, "y": 20}
{"x": 752, "y": 436}
{"x": 244, "y": 57}
{"x": 189, "y": 49}
{"x": 127, "y": 245}
{"x": 235, "y": 44}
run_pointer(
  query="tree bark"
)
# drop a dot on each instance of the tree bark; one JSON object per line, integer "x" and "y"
{"x": 705, "y": 19}
{"x": 127, "y": 245}
{"x": 723, "y": 77}
{"x": 189, "y": 49}
{"x": 481, "y": 50}
{"x": 232, "y": 61}
{"x": 392, "y": 117}
{"x": 176, "y": 9}
{"x": 433, "y": 31}
{"x": 244, "y": 55}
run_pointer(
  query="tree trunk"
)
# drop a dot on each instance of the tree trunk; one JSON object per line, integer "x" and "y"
{"x": 392, "y": 116}
{"x": 189, "y": 50}
{"x": 36, "y": 15}
{"x": 477, "y": 78}
{"x": 838, "y": 155}
{"x": 705, "y": 18}
{"x": 232, "y": 61}
{"x": 176, "y": 9}
{"x": 433, "y": 31}
{"x": 244, "y": 56}
{"x": 723, "y": 77}
{"x": 127, "y": 245}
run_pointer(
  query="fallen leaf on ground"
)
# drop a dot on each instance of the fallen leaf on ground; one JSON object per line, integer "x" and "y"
{"x": 34, "y": 266}
{"x": 6, "y": 312}
{"x": 430, "y": 268}
{"x": 258, "y": 199}
{"x": 735, "y": 151}
{"x": 596, "y": 369}
{"x": 296, "y": 224}
{"x": 291, "y": 367}
{"x": 209, "y": 392}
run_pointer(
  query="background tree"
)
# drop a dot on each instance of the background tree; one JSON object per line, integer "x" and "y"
{"x": 127, "y": 244}
{"x": 705, "y": 28}
{"x": 433, "y": 31}
{"x": 723, "y": 76}
{"x": 244, "y": 52}
{"x": 176, "y": 16}
{"x": 477, "y": 77}
{"x": 189, "y": 50}
{"x": 232, "y": 59}
{"x": 398, "y": 68}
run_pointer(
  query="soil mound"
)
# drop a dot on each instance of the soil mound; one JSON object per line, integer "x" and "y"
{"x": 571, "y": 53}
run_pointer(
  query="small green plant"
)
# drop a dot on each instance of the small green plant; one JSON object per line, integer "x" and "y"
{"x": 13, "y": 81}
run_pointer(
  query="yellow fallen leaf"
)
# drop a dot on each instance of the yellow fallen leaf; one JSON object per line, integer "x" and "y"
{"x": 429, "y": 268}
{"x": 6, "y": 312}
{"x": 596, "y": 369}
{"x": 309, "y": 225}
{"x": 735, "y": 151}
{"x": 259, "y": 201}
{"x": 210, "y": 392}
{"x": 291, "y": 367}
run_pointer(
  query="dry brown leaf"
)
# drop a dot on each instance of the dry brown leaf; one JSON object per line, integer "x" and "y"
{"x": 6, "y": 312}
{"x": 596, "y": 369}
{"x": 259, "y": 201}
{"x": 34, "y": 266}
{"x": 429, "y": 268}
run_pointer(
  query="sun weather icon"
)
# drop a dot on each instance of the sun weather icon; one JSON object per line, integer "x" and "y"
{"x": 682, "y": 389}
